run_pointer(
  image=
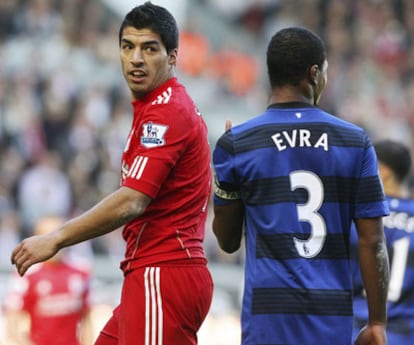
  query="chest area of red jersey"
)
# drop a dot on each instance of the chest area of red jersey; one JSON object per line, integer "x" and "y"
{"x": 58, "y": 293}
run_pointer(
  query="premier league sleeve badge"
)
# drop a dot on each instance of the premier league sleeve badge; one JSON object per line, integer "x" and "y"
{"x": 153, "y": 134}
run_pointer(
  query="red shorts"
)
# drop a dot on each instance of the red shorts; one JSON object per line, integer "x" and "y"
{"x": 160, "y": 306}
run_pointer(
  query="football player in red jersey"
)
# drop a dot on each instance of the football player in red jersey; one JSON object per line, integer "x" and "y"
{"x": 51, "y": 301}
{"x": 162, "y": 200}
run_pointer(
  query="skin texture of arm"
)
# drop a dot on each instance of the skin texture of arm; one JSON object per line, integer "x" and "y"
{"x": 228, "y": 225}
{"x": 111, "y": 213}
{"x": 375, "y": 274}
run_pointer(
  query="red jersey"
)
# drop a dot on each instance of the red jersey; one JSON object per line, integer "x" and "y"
{"x": 55, "y": 295}
{"x": 167, "y": 157}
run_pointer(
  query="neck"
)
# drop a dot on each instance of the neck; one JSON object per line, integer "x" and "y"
{"x": 287, "y": 94}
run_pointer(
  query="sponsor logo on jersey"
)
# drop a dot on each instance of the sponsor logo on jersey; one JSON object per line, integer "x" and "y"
{"x": 153, "y": 134}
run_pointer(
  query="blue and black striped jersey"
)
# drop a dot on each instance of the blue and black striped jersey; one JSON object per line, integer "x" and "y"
{"x": 399, "y": 233}
{"x": 303, "y": 175}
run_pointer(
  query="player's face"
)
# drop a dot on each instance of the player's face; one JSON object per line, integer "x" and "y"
{"x": 145, "y": 61}
{"x": 322, "y": 79}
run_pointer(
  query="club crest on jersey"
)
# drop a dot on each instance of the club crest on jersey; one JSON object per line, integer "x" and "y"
{"x": 153, "y": 134}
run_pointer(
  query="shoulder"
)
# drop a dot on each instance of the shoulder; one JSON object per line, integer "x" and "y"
{"x": 172, "y": 95}
{"x": 173, "y": 112}
{"x": 339, "y": 121}
{"x": 344, "y": 133}
{"x": 242, "y": 129}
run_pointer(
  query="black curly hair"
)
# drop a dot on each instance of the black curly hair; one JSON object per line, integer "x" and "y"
{"x": 290, "y": 54}
{"x": 157, "y": 19}
{"x": 394, "y": 155}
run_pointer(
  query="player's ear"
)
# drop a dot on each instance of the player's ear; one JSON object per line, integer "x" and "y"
{"x": 314, "y": 74}
{"x": 172, "y": 57}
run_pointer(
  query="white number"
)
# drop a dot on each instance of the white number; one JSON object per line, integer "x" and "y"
{"x": 399, "y": 263}
{"x": 308, "y": 213}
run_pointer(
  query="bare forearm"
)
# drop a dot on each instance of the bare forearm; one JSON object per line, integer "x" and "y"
{"x": 374, "y": 266}
{"x": 375, "y": 275}
{"x": 228, "y": 226}
{"x": 115, "y": 210}
{"x": 108, "y": 215}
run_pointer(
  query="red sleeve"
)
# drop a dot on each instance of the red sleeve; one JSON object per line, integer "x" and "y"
{"x": 158, "y": 141}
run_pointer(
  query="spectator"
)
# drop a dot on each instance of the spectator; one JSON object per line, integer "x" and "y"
{"x": 51, "y": 303}
{"x": 44, "y": 189}
{"x": 394, "y": 165}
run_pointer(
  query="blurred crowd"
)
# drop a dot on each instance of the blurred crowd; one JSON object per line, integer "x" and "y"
{"x": 65, "y": 111}
{"x": 370, "y": 52}
{"x": 63, "y": 114}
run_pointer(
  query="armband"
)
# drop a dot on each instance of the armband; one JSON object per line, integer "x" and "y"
{"x": 225, "y": 194}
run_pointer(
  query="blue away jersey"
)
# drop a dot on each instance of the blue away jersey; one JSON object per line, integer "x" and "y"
{"x": 303, "y": 176}
{"x": 399, "y": 233}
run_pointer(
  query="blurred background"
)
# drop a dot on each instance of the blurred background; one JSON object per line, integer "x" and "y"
{"x": 65, "y": 110}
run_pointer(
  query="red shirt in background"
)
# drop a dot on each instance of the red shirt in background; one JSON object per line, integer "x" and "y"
{"x": 55, "y": 295}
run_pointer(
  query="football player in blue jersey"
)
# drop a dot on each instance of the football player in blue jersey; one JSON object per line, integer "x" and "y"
{"x": 394, "y": 165}
{"x": 291, "y": 181}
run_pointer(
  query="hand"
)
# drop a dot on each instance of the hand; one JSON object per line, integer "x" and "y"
{"x": 33, "y": 250}
{"x": 228, "y": 125}
{"x": 372, "y": 334}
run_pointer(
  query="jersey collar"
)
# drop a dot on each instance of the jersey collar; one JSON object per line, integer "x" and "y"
{"x": 290, "y": 105}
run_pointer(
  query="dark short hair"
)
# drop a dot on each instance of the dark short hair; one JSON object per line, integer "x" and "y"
{"x": 290, "y": 54}
{"x": 394, "y": 155}
{"x": 156, "y": 18}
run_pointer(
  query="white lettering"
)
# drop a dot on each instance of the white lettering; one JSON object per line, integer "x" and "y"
{"x": 299, "y": 138}
{"x": 278, "y": 142}
{"x": 322, "y": 141}
{"x": 400, "y": 221}
{"x": 291, "y": 140}
{"x": 304, "y": 137}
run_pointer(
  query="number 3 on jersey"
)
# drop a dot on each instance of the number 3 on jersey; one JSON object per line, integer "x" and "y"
{"x": 308, "y": 212}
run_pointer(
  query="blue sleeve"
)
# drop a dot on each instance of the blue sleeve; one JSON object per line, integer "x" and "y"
{"x": 370, "y": 198}
{"x": 226, "y": 181}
